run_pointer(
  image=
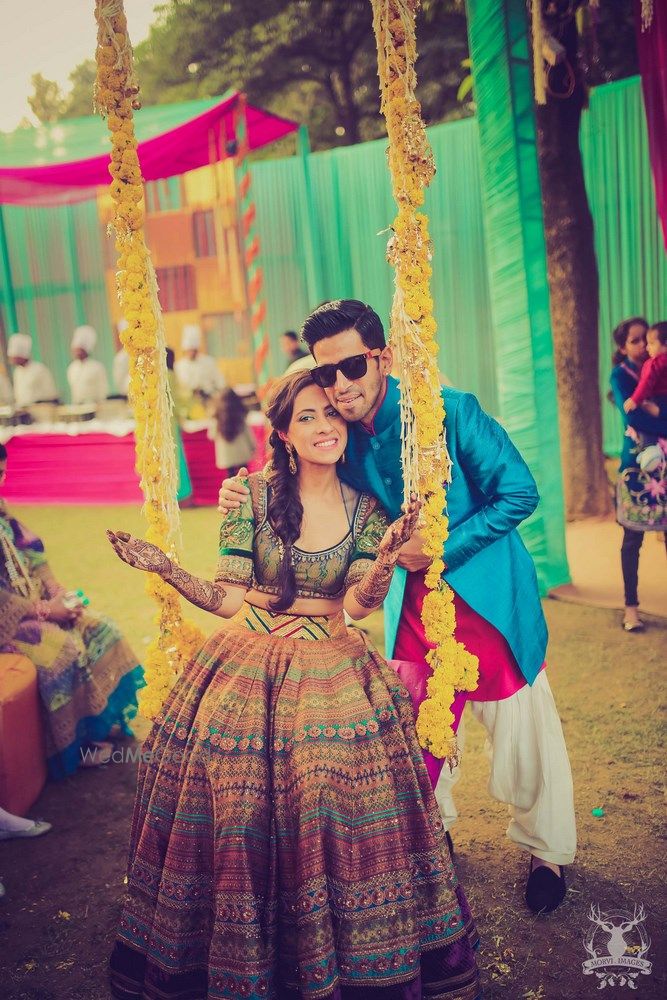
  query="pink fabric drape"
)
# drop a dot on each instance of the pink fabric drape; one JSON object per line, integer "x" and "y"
{"x": 193, "y": 144}
{"x": 652, "y": 49}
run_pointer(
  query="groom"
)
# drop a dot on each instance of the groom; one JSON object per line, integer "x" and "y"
{"x": 498, "y": 611}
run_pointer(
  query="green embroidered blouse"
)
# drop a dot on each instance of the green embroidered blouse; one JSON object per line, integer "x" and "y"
{"x": 250, "y": 551}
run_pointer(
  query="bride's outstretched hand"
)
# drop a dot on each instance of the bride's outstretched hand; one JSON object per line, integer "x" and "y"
{"x": 400, "y": 530}
{"x": 138, "y": 553}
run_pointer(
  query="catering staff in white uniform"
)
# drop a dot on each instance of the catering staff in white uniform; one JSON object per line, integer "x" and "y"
{"x": 86, "y": 376}
{"x": 6, "y": 392}
{"x": 33, "y": 382}
{"x": 197, "y": 372}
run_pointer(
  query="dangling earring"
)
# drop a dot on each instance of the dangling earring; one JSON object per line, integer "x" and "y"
{"x": 342, "y": 459}
{"x": 292, "y": 461}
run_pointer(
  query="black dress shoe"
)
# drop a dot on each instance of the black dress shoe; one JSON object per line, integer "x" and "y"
{"x": 544, "y": 889}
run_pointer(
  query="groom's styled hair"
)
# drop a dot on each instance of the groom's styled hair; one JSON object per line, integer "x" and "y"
{"x": 339, "y": 315}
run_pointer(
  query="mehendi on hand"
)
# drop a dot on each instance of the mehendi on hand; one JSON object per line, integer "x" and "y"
{"x": 372, "y": 589}
{"x": 202, "y": 593}
{"x": 148, "y": 557}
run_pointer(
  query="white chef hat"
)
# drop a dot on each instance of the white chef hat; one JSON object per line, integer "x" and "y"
{"x": 85, "y": 337}
{"x": 19, "y": 345}
{"x": 191, "y": 337}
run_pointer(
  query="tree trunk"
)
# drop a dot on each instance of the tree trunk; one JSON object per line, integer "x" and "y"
{"x": 573, "y": 284}
{"x": 342, "y": 97}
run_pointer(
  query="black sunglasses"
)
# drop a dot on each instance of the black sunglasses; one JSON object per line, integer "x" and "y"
{"x": 352, "y": 368}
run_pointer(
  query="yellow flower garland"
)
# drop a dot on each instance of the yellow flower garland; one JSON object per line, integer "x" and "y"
{"x": 426, "y": 463}
{"x": 116, "y": 95}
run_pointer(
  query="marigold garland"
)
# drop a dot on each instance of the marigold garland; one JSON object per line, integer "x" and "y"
{"x": 426, "y": 463}
{"x": 116, "y": 95}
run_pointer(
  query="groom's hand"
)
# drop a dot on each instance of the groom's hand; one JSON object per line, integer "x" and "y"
{"x": 411, "y": 556}
{"x": 233, "y": 492}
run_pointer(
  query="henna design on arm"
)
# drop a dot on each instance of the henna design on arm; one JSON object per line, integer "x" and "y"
{"x": 202, "y": 593}
{"x": 372, "y": 589}
{"x": 148, "y": 557}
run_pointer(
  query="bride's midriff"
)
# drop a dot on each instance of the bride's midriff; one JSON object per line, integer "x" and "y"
{"x": 301, "y": 606}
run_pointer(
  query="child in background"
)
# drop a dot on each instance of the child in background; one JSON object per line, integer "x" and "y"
{"x": 651, "y": 392}
{"x": 234, "y": 441}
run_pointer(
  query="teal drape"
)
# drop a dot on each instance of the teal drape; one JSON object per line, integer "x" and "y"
{"x": 353, "y": 210}
{"x": 56, "y": 263}
{"x": 517, "y": 266}
{"x": 352, "y": 204}
{"x": 81, "y": 138}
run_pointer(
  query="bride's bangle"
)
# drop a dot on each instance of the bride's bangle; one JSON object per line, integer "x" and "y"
{"x": 42, "y": 610}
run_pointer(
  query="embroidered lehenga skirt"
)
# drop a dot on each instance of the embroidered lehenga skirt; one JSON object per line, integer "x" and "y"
{"x": 285, "y": 840}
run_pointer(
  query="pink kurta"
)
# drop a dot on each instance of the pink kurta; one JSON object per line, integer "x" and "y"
{"x": 499, "y": 674}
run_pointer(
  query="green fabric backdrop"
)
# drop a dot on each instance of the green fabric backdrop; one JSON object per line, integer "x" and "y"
{"x": 56, "y": 262}
{"x": 352, "y": 204}
{"x": 516, "y": 255}
{"x": 352, "y": 210}
{"x": 631, "y": 256}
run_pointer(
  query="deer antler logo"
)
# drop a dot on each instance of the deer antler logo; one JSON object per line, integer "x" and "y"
{"x": 621, "y": 961}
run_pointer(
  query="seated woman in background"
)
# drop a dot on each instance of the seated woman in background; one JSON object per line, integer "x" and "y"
{"x": 233, "y": 439}
{"x": 87, "y": 674}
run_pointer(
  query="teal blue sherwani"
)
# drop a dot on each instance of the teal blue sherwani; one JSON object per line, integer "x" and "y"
{"x": 492, "y": 491}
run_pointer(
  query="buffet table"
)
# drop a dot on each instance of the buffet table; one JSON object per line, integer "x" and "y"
{"x": 93, "y": 463}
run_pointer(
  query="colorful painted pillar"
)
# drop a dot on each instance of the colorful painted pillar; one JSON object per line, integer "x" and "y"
{"x": 251, "y": 252}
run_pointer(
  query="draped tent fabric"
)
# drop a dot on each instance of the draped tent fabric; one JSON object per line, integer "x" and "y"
{"x": 353, "y": 208}
{"x": 44, "y": 289}
{"x": 193, "y": 143}
{"x": 631, "y": 259}
{"x": 517, "y": 265}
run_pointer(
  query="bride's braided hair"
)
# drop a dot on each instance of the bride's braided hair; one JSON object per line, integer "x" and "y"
{"x": 284, "y": 510}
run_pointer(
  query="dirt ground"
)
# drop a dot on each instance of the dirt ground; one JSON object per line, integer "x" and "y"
{"x": 58, "y": 918}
